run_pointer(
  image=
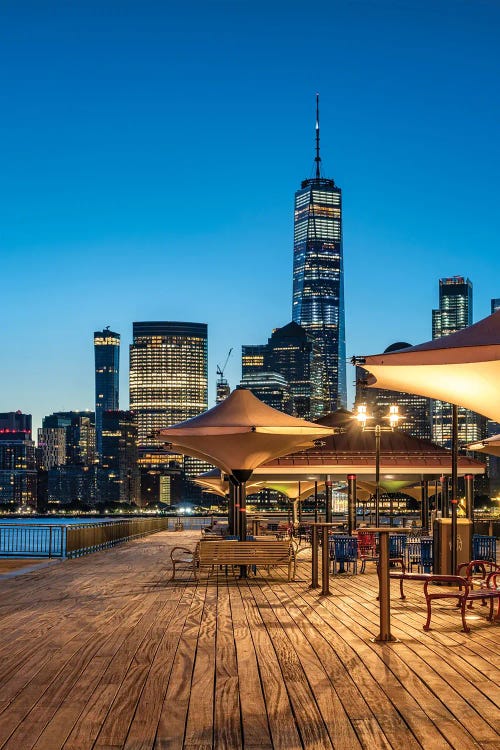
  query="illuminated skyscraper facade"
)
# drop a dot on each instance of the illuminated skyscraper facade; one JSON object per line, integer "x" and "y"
{"x": 168, "y": 377}
{"x": 318, "y": 275}
{"x": 454, "y": 314}
{"x": 120, "y": 480}
{"x": 17, "y": 461}
{"x": 252, "y": 358}
{"x": 107, "y": 378}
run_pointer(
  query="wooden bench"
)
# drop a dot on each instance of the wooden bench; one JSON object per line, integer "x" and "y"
{"x": 464, "y": 594}
{"x": 265, "y": 553}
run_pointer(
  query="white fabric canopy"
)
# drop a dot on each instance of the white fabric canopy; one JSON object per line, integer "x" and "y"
{"x": 490, "y": 446}
{"x": 213, "y": 482}
{"x": 241, "y": 433}
{"x": 462, "y": 368}
{"x": 295, "y": 490}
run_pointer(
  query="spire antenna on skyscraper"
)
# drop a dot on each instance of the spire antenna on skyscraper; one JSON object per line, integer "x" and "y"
{"x": 318, "y": 157}
{"x": 318, "y": 274}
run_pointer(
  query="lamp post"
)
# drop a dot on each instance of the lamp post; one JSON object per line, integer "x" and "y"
{"x": 362, "y": 416}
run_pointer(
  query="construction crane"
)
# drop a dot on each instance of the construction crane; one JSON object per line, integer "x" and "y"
{"x": 223, "y": 389}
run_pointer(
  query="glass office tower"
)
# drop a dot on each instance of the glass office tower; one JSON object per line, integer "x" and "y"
{"x": 107, "y": 374}
{"x": 454, "y": 314}
{"x": 318, "y": 275}
{"x": 168, "y": 375}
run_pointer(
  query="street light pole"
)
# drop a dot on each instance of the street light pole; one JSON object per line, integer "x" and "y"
{"x": 362, "y": 417}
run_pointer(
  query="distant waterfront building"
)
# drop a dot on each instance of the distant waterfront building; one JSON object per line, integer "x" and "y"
{"x": 318, "y": 275}
{"x": 51, "y": 447}
{"x": 168, "y": 378}
{"x": 414, "y": 410}
{"x": 107, "y": 378}
{"x": 252, "y": 358}
{"x": 222, "y": 390}
{"x": 119, "y": 472}
{"x": 72, "y": 485}
{"x": 271, "y": 388}
{"x": 161, "y": 477}
{"x": 79, "y": 437}
{"x": 18, "y": 477}
{"x": 454, "y": 314}
{"x": 295, "y": 355}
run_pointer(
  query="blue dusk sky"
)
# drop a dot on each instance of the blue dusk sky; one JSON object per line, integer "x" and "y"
{"x": 151, "y": 150}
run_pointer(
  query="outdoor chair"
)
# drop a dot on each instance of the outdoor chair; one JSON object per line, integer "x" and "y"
{"x": 426, "y": 559}
{"x": 344, "y": 553}
{"x": 419, "y": 555}
{"x": 304, "y": 533}
{"x": 367, "y": 548}
{"x": 413, "y": 554}
{"x": 484, "y": 547}
{"x": 184, "y": 558}
{"x": 397, "y": 547}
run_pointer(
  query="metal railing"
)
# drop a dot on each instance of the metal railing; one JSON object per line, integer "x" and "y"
{"x": 32, "y": 540}
{"x": 60, "y": 540}
{"x": 83, "y": 539}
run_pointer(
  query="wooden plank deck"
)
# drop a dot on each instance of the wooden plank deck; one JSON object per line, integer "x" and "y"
{"x": 104, "y": 652}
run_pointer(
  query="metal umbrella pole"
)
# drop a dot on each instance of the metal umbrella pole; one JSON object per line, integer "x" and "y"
{"x": 454, "y": 488}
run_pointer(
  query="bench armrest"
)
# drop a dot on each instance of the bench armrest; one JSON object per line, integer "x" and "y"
{"x": 493, "y": 579}
{"x": 182, "y": 552}
{"x": 450, "y": 580}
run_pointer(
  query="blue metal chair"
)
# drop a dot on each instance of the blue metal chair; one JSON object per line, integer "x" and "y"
{"x": 397, "y": 546}
{"x": 414, "y": 554}
{"x": 426, "y": 560}
{"x": 344, "y": 553}
{"x": 484, "y": 548}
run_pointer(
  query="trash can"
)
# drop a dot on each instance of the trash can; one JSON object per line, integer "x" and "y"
{"x": 442, "y": 544}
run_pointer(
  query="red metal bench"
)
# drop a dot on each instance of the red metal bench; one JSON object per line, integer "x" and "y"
{"x": 464, "y": 594}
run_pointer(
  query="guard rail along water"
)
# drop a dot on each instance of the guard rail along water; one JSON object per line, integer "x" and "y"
{"x": 82, "y": 540}
{"x": 72, "y": 540}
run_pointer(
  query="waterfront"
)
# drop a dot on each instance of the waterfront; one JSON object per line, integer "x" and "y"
{"x": 72, "y": 537}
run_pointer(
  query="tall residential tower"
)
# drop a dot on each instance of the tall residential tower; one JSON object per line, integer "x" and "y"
{"x": 107, "y": 375}
{"x": 318, "y": 274}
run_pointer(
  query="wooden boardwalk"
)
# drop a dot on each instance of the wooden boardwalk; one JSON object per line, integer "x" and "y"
{"x": 103, "y": 652}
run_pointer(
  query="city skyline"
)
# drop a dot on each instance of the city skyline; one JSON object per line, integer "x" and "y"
{"x": 145, "y": 178}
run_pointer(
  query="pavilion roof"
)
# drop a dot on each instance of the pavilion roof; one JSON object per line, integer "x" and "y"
{"x": 352, "y": 450}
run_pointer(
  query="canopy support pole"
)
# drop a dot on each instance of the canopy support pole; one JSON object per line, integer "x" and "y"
{"x": 328, "y": 501}
{"x": 469, "y": 496}
{"x": 351, "y": 503}
{"x": 445, "y": 509}
{"x": 454, "y": 487}
{"x": 377, "y": 475}
{"x": 424, "y": 508}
